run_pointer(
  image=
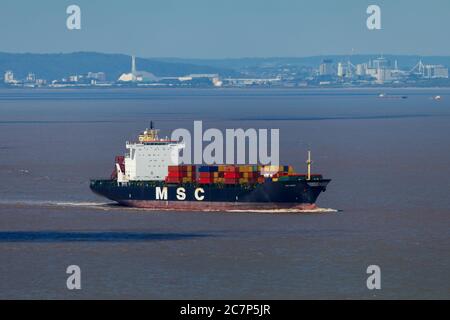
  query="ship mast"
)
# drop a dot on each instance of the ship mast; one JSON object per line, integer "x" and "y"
{"x": 149, "y": 135}
{"x": 309, "y": 162}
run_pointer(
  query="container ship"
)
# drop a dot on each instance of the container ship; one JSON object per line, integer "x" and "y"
{"x": 149, "y": 176}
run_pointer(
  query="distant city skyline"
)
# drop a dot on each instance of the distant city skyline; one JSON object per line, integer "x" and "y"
{"x": 233, "y": 29}
{"x": 276, "y": 73}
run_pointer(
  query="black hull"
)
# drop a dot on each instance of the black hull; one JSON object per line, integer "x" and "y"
{"x": 161, "y": 195}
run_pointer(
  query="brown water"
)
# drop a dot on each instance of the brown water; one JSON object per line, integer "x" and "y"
{"x": 388, "y": 159}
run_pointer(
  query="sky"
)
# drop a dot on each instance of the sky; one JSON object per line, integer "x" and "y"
{"x": 226, "y": 29}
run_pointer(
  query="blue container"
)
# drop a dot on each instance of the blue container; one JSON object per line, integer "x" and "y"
{"x": 208, "y": 169}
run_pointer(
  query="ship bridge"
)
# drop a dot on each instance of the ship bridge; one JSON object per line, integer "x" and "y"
{"x": 150, "y": 157}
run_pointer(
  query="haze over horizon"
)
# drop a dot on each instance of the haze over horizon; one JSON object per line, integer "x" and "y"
{"x": 324, "y": 55}
{"x": 235, "y": 29}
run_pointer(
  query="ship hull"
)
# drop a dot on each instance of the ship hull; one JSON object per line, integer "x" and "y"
{"x": 157, "y": 195}
{"x": 214, "y": 206}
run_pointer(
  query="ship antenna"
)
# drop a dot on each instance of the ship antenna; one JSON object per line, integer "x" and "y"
{"x": 151, "y": 125}
{"x": 309, "y": 162}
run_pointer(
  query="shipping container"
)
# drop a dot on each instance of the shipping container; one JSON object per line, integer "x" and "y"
{"x": 248, "y": 168}
{"x": 205, "y": 175}
{"x": 231, "y": 175}
{"x": 175, "y": 174}
{"x": 183, "y": 168}
{"x": 174, "y": 169}
{"x": 208, "y": 169}
{"x": 231, "y": 169}
{"x": 205, "y": 180}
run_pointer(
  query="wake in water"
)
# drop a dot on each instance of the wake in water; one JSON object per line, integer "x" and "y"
{"x": 47, "y": 203}
{"x": 115, "y": 206}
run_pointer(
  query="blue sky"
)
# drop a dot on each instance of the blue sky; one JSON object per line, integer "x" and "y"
{"x": 224, "y": 29}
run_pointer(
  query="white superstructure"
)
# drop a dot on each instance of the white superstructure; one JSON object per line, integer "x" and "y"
{"x": 149, "y": 158}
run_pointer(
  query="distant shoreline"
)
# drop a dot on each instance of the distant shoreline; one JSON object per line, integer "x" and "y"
{"x": 311, "y": 88}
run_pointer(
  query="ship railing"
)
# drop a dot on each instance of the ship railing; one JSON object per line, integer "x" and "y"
{"x": 129, "y": 143}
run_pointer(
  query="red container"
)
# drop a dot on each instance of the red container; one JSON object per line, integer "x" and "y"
{"x": 175, "y": 174}
{"x": 205, "y": 180}
{"x": 205, "y": 175}
{"x": 184, "y": 168}
{"x": 231, "y": 175}
{"x": 231, "y": 181}
{"x": 174, "y": 169}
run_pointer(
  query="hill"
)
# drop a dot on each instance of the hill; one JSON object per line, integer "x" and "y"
{"x": 406, "y": 61}
{"x": 57, "y": 66}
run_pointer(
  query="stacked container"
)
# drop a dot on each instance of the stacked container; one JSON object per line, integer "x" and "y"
{"x": 207, "y": 174}
{"x": 231, "y": 174}
{"x": 276, "y": 171}
{"x": 181, "y": 174}
{"x": 249, "y": 173}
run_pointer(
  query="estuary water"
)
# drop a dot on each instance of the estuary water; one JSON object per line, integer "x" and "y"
{"x": 388, "y": 203}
